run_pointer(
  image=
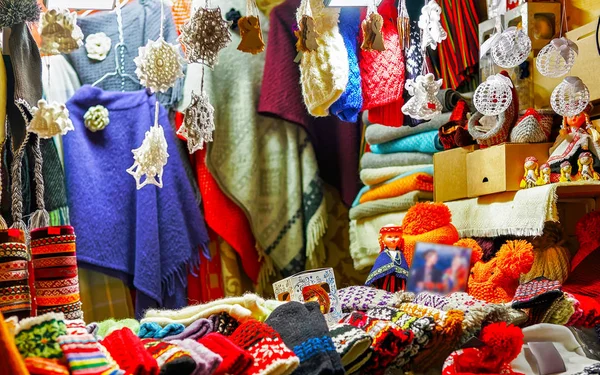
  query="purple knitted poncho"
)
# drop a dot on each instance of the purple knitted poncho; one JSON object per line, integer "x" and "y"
{"x": 147, "y": 237}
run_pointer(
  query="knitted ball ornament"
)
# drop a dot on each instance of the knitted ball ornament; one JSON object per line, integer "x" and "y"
{"x": 171, "y": 359}
{"x": 235, "y": 359}
{"x": 11, "y": 360}
{"x": 352, "y": 344}
{"x": 129, "y": 353}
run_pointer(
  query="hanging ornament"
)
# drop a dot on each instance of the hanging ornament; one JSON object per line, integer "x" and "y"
{"x": 511, "y": 48}
{"x": 204, "y": 35}
{"x": 307, "y": 31}
{"x": 371, "y": 29}
{"x": 570, "y": 97}
{"x": 96, "y": 118}
{"x": 198, "y": 123}
{"x": 59, "y": 32}
{"x": 493, "y": 96}
{"x": 430, "y": 23}
{"x": 97, "y": 46}
{"x": 50, "y": 120}
{"x": 159, "y": 65}
{"x": 424, "y": 105}
{"x": 250, "y": 32}
{"x": 403, "y": 25}
{"x": 557, "y": 58}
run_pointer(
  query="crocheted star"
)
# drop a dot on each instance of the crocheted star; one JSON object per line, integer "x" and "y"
{"x": 59, "y": 32}
{"x": 199, "y": 123}
{"x": 150, "y": 158}
{"x": 204, "y": 35}
{"x": 50, "y": 119}
{"x": 159, "y": 65}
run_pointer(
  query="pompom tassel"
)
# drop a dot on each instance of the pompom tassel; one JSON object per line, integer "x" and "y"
{"x": 39, "y": 219}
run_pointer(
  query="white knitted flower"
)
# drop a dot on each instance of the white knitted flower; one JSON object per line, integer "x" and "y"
{"x": 198, "y": 123}
{"x": 50, "y": 120}
{"x": 150, "y": 158}
{"x": 159, "y": 65}
{"x": 96, "y": 118}
{"x": 97, "y": 46}
{"x": 59, "y": 32}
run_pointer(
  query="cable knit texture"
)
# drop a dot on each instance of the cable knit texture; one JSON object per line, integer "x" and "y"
{"x": 347, "y": 107}
{"x": 324, "y": 72}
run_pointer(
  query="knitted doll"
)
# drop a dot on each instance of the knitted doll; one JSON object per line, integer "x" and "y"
{"x": 496, "y": 281}
{"x": 390, "y": 269}
{"x": 501, "y": 345}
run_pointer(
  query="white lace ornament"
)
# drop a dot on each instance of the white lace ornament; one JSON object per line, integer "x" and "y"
{"x": 430, "y": 23}
{"x": 198, "y": 123}
{"x": 159, "y": 65}
{"x": 557, "y": 58}
{"x": 424, "y": 104}
{"x": 511, "y": 48}
{"x": 150, "y": 158}
{"x": 59, "y": 32}
{"x": 204, "y": 35}
{"x": 493, "y": 96}
{"x": 97, "y": 46}
{"x": 96, "y": 118}
{"x": 570, "y": 97}
{"x": 50, "y": 119}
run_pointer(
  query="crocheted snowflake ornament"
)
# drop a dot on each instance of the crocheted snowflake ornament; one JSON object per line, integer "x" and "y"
{"x": 198, "y": 122}
{"x": 204, "y": 35}
{"x": 59, "y": 32}
{"x": 150, "y": 158}
{"x": 50, "y": 119}
{"x": 430, "y": 23}
{"x": 424, "y": 104}
{"x": 159, "y": 65}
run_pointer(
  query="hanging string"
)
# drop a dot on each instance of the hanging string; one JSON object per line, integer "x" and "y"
{"x": 202, "y": 81}
{"x": 162, "y": 18}
{"x": 563, "y": 19}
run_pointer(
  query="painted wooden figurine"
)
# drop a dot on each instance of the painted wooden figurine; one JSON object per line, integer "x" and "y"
{"x": 586, "y": 172}
{"x": 532, "y": 173}
{"x": 565, "y": 172}
{"x": 252, "y": 41}
{"x": 545, "y": 172}
{"x": 391, "y": 269}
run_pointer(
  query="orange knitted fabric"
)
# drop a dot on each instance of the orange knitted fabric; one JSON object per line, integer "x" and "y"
{"x": 11, "y": 362}
{"x": 181, "y": 11}
{"x": 476, "y": 252}
{"x": 43, "y": 366}
{"x": 401, "y": 186}
{"x": 497, "y": 280}
{"x": 427, "y": 222}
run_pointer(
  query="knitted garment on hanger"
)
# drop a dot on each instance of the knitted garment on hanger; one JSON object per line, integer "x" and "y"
{"x": 55, "y": 271}
{"x": 15, "y": 296}
{"x": 382, "y": 73}
{"x": 152, "y": 235}
{"x": 141, "y": 22}
{"x": 348, "y": 106}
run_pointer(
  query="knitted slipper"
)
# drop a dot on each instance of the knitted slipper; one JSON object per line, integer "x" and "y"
{"x": 537, "y": 292}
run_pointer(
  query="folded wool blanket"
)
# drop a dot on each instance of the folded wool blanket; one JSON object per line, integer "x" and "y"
{"x": 426, "y": 142}
{"x": 417, "y": 181}
{"x": 371, "y": 160}
{"x": 376, "y": 134}
{"x": 374, "y": 176}
{"x": 396, "y": 204}
{"x": 426, "y": 169}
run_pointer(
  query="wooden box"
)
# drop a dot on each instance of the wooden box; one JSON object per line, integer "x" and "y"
{"x": 450, "y": 174}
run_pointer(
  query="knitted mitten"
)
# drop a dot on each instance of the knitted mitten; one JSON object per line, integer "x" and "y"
{"x": 84, "y": 356}
{"x": 129, "y": 353}
{"x": 235, "y": 359}
{"x": 15, "y": 296}
{"x": 352, "y": 344}
{"x": 271, "y": 356}
{"x": 44, "y": 366}
{"x": 172, "y": 359}
{"x": 207, "y": 362}
{"x": 55, "y": 271}
{"x": 11, "y": 360}
{"x": 154, "y": 331}
{"x": 303, "y": 328}
{"x": 106, "y": 327}
{"x": 194, "y": 331}
{"x": 37, "y": 337}
{"x": 224, "y": 323}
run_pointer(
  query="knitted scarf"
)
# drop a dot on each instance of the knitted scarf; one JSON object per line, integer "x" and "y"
{"x": 427, "y": 142}
{"x": 376, "y": 134}
{"x": 387, "y": 186}
{"x": 266, "y": 165}
{"x": 149, "y": 236}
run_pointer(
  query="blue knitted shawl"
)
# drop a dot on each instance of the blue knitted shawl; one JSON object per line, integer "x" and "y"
{"x": 347, "y": 107}
{"x": 147, "y": 237}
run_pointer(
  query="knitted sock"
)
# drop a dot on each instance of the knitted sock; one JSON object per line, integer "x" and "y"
{"x": 235, "y": 359}
{"x": 129, "y": 353}
{"x": 37, "y": 337}
{"x": 303, "y": 328}
{"x": 44, "y": 366}
{"x": 76, "y": 327}
{"x": 207, "y": 362}
{"x": 84, "y": 356}
{"x": 55, "y": 271}
{"x": 271, "y": 356}
{"x": 15, "y": 296}
{"x": 172, "y": 359}
{"x": 151, "y": 330}
{"x": 10, "y": 359}
{"x": 352, "y": 344}
{"x": 194, "y": 331}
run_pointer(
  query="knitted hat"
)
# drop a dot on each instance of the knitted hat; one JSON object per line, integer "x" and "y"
{"x": 271, "y": 356}
{"x": 44, "y": 366}
{"x": 152, "y": 330}
{"x": 194, "y": 331}
{"x": 15, "y": 297}
{"x": 427, "y": 222}
{"x": 129, "y": 353}
{"x": 207, "y": 362}
{"x": 303, "y": 328}
{"x": 55, "y": 271}
{"x": 235, "y": 359}
{"x": 361, "y": 297}
{"x": 530, "y": 128}
{"x": 382, "y": 73}
{"x": 11, "y": 360}
{"x": 171, "y": 359}
{"x": 536, "y": 293}
{"x": 37, "y": 337}
{"x": 352, "y": 344}
{"x": 84, "y": 356}
{"x": 324, "y": 72}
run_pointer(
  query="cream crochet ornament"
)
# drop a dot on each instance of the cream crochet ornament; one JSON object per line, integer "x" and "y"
{"x": 323, "y": 72}
{"x": 159, "y": 65}
{"x": 59, "y": 32}
{"x": 570, "y": 97}
{"x": 50, "y": 119}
